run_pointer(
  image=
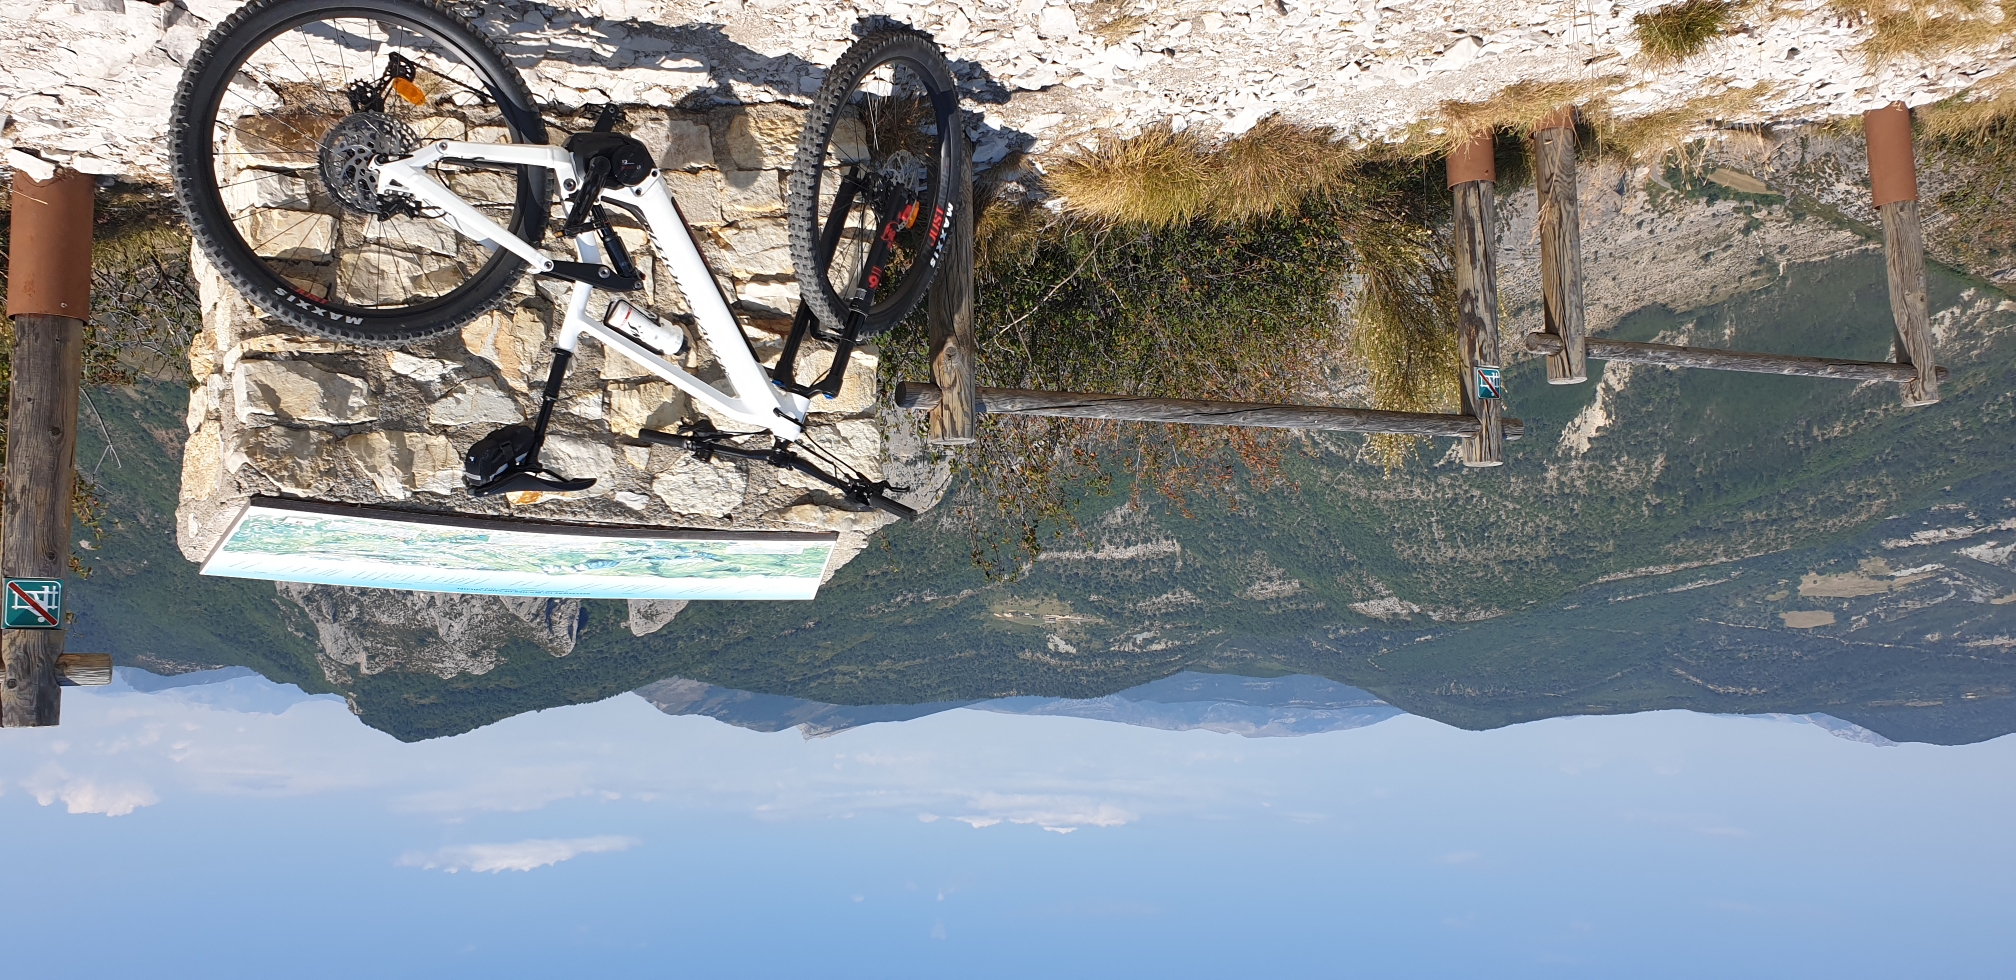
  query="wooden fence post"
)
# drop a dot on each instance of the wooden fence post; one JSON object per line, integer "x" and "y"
{"x": 48, "y": 295}
{"x": 1893, "y": 180}
{"x": 1560, "y": 244}
{"x": 1473, "y": 177}
{"x": 949, "y": 315}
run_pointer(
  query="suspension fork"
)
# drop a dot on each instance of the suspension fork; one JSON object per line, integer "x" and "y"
{"x": 860, "y": 296}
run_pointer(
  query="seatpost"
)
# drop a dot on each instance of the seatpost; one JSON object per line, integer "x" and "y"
{"x": 547, "y": 399}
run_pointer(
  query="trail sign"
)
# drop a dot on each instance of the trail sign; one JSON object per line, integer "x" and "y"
{"x": 34, "y": 604}
{"x": 1489, "y": 384}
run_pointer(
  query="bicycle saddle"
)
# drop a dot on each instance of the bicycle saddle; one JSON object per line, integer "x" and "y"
{"x": 507, "y": 461}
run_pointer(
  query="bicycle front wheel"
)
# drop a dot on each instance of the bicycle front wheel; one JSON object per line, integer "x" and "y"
{"x": 875, "y": 164}
{"x": 280, "y": 122}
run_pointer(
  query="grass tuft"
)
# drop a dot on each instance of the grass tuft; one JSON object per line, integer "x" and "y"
{"x": 1400, "y": 315}
{"x": 1516, "y": 108}
{"x": 1926, "y": 28}
{"x": 1651, "y": 137}
{"x": 1158, "y": 179}
{"x": 1971, "y": 118}
{"x": 1676, "y": 32}
{"x": 1164, "y": 178}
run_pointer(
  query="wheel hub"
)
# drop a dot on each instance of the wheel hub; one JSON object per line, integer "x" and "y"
{"x": 905, "y": 170}
{"x": 351, "y": 151}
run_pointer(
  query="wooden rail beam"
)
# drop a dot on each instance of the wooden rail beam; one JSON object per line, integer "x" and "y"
{"x": 921, "y": 396}
{"x": 84, "y": 669}
{"x": 949, "y": 315}
{"x": 1893, "y": 183}
{"x": 49, "y": 294}
{"x": 1473, "y": 180}
{"x": 1560, "y": 220}
{"x": 1669, "y": 355}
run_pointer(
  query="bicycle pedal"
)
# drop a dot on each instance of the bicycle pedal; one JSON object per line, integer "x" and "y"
{"x": 521, "y": 481}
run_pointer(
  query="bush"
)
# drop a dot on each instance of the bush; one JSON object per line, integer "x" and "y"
{"x": 1241, "y": 272}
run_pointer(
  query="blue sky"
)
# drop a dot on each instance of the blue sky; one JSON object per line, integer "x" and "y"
{"x": 242, "y": 830}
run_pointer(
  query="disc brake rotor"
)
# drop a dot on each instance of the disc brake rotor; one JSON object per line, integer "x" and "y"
{"x": 350, "y": 154}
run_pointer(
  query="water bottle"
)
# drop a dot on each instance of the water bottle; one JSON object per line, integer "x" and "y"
{"x": 627, "y": 319}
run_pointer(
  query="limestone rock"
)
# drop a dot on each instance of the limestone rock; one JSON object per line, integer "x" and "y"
{"x": 475, "y": 400}
{"x": 698, "y": 195}
{"x": 778, "y": 296}
{"x": 679, "y": 143}
{"x": 857, "y": 390}
{"x": 400, "y": 463}
{"x": 297, "y": 391}
{"x": 293, "y": 459}
{"x": 297, "y": 236}
{"x": 588, "y": 406}
{"x": 764, "y": 137}
{"x": 757, "y": 248}
{"x": 515, "y": 341}
{"x": 692, "y": 487}
{"x": 751, "y": 194}
{"x": 203, "y": 462}
{"x": 829, "y": 519}
{"x": 648, "y": 616}
{"x": 650, "y": 405}
{"x": 575, "y": 458}
{"x": 422, "y": 369}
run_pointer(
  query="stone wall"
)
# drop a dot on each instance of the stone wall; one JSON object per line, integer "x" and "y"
{"x": 275, "y": 412}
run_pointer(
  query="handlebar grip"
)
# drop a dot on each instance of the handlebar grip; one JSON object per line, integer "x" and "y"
{"x": 887, "y": 506}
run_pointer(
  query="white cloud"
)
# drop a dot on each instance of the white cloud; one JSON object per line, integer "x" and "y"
{"x": 82, "y": 794}
{"x": 1059, "y": 813}
{"x": 521, "y": 856}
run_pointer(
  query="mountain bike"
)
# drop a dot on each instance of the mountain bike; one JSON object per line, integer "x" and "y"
{"x": 375, "y": 171}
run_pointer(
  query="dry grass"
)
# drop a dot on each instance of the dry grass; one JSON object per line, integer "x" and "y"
{"x": 1401, "y": 311}
{"x": 1972, "y": 139}
{"x": 1651, "y": 137}
{"x": 1516, "y": 108}
{"x": 1676, "y": 32}
{"x": 1926, "y": 28}
{"x": 1972, "y": 117}
{"x": 1163, "y": 178}
{"x": 1110, "y": 19}
{"x": 1400, "y": 329}
{"x": 1157, "y": 179}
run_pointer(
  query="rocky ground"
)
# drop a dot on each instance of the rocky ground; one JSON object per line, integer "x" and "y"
{"x": 88, "y": 82}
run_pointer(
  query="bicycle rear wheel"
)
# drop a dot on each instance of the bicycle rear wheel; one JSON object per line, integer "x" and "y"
{"x": 279, "y": 123}
{"x": 874, "y": 161}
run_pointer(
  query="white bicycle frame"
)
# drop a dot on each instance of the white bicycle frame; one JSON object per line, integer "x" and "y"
{"x": 756, "y": 400}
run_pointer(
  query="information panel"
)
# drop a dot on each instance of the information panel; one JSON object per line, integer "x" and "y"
{"x": 341, "y": 544}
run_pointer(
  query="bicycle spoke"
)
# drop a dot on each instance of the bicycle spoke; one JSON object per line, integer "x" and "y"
{"x": 271, "y": 147}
